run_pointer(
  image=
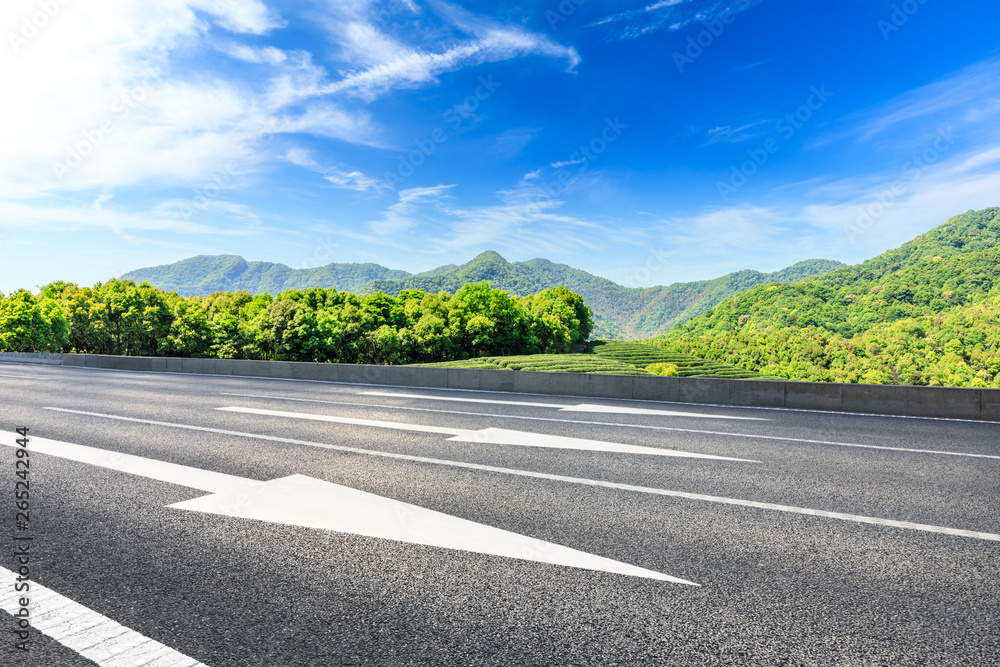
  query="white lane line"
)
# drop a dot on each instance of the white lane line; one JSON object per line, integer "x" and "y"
{"x": 488, "y": 401}
{"x": 621, "y": 425}
{"x": 400, "y": 426}
{"x": 582, "y": 407}
{"x": 299, "y": 500}
{"x": 958, "y": 532}
{"x": 528, "y": 393}
{"x": 496, "y": 436}
{"x": 83, "y": 630}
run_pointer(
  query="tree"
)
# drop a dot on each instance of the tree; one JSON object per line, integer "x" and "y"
{"x": 28, "y": 324}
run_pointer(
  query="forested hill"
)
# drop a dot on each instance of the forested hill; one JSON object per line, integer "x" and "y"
{"x": 927, "y": 312}
{"x": 619, "y": 311}
{"x": 952, "y": 265}
{"x": 206, "y": 274}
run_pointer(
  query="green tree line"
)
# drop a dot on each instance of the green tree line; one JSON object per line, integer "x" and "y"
{"x": 960, "y": 348}
{"x": 123, "y": 318}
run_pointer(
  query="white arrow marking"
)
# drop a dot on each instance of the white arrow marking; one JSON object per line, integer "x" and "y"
{"x": 646, "y": 427}
{"x": 583, "y": 407}
{"x": 497, "y": 436}
{"x": 311, "y": 503}
{"x": 840, "y": 516}
{"x": 92, "y": 635}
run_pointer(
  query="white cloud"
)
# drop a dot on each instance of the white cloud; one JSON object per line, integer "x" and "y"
{"x": 967, "y": 98}
{"x": 406, "y": 213}
{"x": 380, "y": 62}
{"x": 354, "y": 180}
{"x": 852, "y": 227}
{"x": 268, "y": 55}
{"x": 526, "y": 220}
{"x": 671, "y": 15}
{"x": 166, "y": 216}
{"x": 567, "y": 163}
{"x": 301, "y": 157}
{"x": 730, "y": 134}
{"x": 241, "y": 16}
{"x": 414, "y": 68}
{"x": 111, "y": 95}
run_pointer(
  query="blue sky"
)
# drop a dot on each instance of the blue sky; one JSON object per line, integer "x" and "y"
{"x": 646, "y": 142}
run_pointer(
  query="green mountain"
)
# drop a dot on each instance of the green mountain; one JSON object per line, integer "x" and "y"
{"x": 950, "y": 266}
{"x": 619, "y": 311}
{"x": 926, "y": 313}
{"x": 205, "y": 274}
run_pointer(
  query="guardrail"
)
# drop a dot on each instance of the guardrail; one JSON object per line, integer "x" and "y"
{"x": 945, "y": 402}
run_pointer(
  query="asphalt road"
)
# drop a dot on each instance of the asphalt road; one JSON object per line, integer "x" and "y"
{"x": 778, "y": 582}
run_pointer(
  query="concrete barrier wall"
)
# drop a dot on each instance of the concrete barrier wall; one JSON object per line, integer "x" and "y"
{"x": 31, "y": 358}
{"x": 948, "y": 402}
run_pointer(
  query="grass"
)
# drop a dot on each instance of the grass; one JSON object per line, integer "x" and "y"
{"x": 607, "y": 356}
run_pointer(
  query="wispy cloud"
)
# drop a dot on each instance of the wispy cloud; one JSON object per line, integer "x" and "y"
{"x": 354, "y": 180}
{"x": 750, "y": 66}
{"x": 103, "y": 105}
{"x": 730, "y": 134}
{"x": 670, "y": 15}
{"x": 407, "y": 213}
{"x": 968, "y": 97}
{"x": 512, "y": 141}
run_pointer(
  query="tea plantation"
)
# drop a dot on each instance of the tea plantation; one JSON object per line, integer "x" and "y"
{"x": 608, "y": 356}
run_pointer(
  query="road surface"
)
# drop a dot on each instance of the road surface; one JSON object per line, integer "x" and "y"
{"x": 181, "y": 519}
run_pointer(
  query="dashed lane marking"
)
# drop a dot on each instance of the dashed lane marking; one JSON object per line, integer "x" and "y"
{"x": 622, "y": 425}
{"x": 92, "y": 635}
{"x": 581, "y": 407}
{"x": 497, "y": 436}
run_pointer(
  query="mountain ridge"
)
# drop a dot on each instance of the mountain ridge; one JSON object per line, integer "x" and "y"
{"x": 619, "y": 311}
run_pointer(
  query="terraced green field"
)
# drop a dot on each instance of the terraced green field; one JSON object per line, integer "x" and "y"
{"x": 607, "y": 356}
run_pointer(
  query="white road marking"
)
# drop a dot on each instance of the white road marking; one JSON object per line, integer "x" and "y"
{"x": 400, "y": 426}
{"x": 528, "y": 393}
{"x": 488, "y": 401}
{"x": 641, "y": 426}
{"x": 92, "y": 635}
{"x": 582, "y": 407}
{"x": 494, "y": 436}
{"x": 958, "y": 532}
{"x": 299, "y": 500}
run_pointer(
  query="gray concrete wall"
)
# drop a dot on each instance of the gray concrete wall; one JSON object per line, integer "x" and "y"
{"x": 948, "y": 402}
{"x": 31, "y": 358}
